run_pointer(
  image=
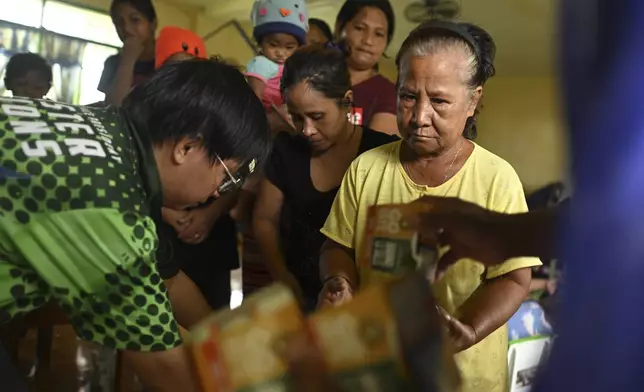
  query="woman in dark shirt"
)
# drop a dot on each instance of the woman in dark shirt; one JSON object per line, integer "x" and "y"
{"x": 305, "y": 170}
{"x": 135, "y": 22}
{"x": 365, "y": 28}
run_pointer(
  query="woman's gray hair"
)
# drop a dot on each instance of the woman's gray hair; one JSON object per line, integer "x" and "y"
{"x": 435, "y": 36}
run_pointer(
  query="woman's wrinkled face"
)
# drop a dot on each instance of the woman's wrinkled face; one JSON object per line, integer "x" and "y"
{"x": 130, "y": 23}
{"x": 366, "y": 36}
{"x": 434, "y": 101}
{"x": 320, "y": 119}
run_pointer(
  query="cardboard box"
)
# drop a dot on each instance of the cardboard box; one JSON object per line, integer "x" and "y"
{"x": 241, "y": 349}
{"x": 368, "y": 342}
{"x": 391, "y": 248}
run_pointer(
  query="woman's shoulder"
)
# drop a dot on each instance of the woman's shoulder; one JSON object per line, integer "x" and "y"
{"x": 372, "y": 139}
{"x": 493, "y": 166}
{"x": 113, "y": 59}
{"x": 378, "y": 156}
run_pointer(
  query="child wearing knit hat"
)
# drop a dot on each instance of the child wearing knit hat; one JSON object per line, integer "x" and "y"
{"x": 176, "y": 44}
{"x": 280, "y": 27}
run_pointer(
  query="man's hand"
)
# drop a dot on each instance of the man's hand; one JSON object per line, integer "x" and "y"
{"x": 335, "y": 292}
{"x": 177, "y": 219}
{"x": 462, "y": 336}
{"x": 468, "y": 229}
{"x": 200, "y": 224}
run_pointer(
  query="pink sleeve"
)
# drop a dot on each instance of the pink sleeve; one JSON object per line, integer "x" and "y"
{"x": 256, "y": 76}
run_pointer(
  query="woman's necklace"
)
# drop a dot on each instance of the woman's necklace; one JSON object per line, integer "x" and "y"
{"x": 452, "y": 164}
{"x": 449, "y": 168}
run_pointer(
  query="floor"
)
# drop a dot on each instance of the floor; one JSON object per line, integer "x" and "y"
{"x": 62, "y": 374}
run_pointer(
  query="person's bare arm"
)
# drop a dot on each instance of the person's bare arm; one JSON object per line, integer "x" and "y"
{"x": 122, "y": 83}
{"x": 384, "y": 122}
{"x": 338, "y": 273}
{"x": 188, "y": 303}
{"x": 242, "y": 210}
{"x": 266, "y": 221}
{"x": 489, "y": 237}
{"x": 257, "y": 85}
{"x": 338, "y": 260}
{"x": 491, "y": 306}
{"x": 163, "y": 371}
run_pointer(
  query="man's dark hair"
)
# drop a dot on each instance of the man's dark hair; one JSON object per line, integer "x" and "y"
{"x": 324, "y": 70}
{"x": 203, "y": 99}
{"x": 145, "y": 7}
{"x": 21, "y": 63}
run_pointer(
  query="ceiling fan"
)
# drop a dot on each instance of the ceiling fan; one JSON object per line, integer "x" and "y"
{"x": 424, "y": 10}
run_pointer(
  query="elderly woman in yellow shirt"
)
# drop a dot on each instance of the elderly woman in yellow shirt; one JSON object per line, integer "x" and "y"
{"x": 442, "y": 68}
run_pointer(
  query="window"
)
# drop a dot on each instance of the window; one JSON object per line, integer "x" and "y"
{"x": 78, "y": 22}
{"x": 75, "y": 40}
{"x": 93, "y": 60}
{"x": 24, "y": 12}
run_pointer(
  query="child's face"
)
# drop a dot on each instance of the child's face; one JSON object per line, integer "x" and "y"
{"x": 130, "y": 23}
{"x": 31, "y": 85}
{"x": 279, "y": 46}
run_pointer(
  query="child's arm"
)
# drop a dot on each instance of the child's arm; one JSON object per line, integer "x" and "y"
{"x": 259, "y": 70}
{"x": 279, "y": 121}
{"x": 257, "y": 85}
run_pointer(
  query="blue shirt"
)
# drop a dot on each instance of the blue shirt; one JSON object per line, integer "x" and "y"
{"x": 601, "y": 344}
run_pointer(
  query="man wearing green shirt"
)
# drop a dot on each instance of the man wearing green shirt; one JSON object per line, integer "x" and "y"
{"x": 80, "y": 189}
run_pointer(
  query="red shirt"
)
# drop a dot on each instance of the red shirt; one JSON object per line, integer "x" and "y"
{"x": 374, "y": 95}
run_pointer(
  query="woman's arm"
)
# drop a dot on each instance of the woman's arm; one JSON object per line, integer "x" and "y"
{"x": 338, "y": 274}
{"x": 122, "y": 83}
{"x": 489, "y": 307}
{"x": 385, "y": 122}
{"x": 266, "y": 221}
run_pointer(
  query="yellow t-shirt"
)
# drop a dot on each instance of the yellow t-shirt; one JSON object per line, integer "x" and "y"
{"x": 377, "y": 177}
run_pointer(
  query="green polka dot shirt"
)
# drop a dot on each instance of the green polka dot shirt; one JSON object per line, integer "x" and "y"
{"x": 78, "y": 187}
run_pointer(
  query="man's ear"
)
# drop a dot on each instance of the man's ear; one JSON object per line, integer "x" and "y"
{"x": 183, "y": 149}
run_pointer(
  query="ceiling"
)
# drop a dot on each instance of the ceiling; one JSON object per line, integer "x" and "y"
{"x": 524, "y": 30}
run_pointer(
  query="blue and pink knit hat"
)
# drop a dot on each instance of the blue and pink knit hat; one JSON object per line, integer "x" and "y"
{"x": 280, "y": 16}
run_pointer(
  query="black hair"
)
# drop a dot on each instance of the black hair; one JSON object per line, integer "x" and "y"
{"x": 476, "y": 40}
{"x": 323, "y": 27}
{"x": 351, "y": 8}
{"x": 145, "y": 7}
{"x": 204, "y": 99}
{"x": 325, "y": 70}
{"x": 21, "y": 63}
